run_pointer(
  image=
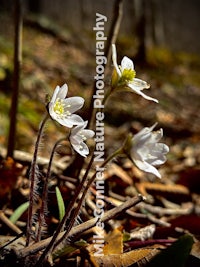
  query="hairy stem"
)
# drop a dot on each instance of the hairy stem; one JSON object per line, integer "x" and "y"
{"x": 67, "y": 214}
{"x": 33, "y": 177}
{"x": 41, "y": 219}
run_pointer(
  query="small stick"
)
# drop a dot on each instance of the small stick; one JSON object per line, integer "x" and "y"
{"x": 11, "y": 225}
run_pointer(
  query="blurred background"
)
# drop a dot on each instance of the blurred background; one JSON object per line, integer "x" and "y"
{"x": 173, "y": 25}
{"x": 58, "y": 46}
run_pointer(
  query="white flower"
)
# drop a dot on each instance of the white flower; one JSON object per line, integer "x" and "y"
{"x": 61, "y": 108}
{"x": 78, "y": 136}
{"x": 126, "y": 75}
{"x": 146, "y": 152}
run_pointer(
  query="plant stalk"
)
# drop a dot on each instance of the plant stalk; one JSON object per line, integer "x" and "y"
{"x": 16, "y": 76}
{"x": 33, "y": 178}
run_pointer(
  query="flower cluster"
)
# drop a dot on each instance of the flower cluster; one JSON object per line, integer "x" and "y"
{"x": 144, "y": 148}
{"x": 61, "y": 109}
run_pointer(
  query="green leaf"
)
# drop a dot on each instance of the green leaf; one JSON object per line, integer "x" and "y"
{"x": 175, "y": 255}
{"x": 61, "y": 205}
{"x": 18, "y": 212}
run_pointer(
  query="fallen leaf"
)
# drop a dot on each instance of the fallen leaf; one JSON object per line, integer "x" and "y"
{"x": 114, "y": 243}
{"x": 126, "y": 259}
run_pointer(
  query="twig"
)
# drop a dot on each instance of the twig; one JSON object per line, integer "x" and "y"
{"x": 114, "y": 29}
{"x": 117, "y": 202}
{"x": 166, "y": 211}
{"x": 11, "y": 225}
{"x": 81, "y": 227}
{"x": 136, "y": 244}
{"x": 26, "y": 158}
{"x": 112, "y": 36}
{"x": 16, "y": 76}
{"x": 10, "y": 240}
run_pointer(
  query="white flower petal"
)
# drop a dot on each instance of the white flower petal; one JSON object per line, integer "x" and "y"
{"x": 51, "y": 112}
{"x": 156, "y": 136}
{"x": 72, "y": 120}
{"x": 143, "y": 135}
{"x": 62, "y": 93}
{"x": 78, "y": 136}
{"x": 88, "y": 133}
{"x": 138, "y": 90}
{"x": 73, "y": 103}
{"x": 127, "y": 63}
{"x": 53, "y": 99}
{"x": 84, "y": 151}
{"x": 157, "y": 161}
{"x": 146, "y": 167}
{"x": 140, "y": 84}
{"x": 75, "y": 130}
{"x": 81, "y": 148}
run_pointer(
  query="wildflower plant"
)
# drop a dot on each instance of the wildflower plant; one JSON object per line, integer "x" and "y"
{"x": 144, "y": 148}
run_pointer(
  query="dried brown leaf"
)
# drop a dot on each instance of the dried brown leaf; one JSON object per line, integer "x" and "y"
{"x": 139, "y": 256}
{"x": 114, "y": 243}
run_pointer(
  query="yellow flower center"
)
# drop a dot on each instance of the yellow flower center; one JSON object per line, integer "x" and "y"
{"x": 127, "y": 76}
{"x": 59, "y": 108}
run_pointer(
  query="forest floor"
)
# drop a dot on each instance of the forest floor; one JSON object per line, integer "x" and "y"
{"x": 172, "y": 207}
